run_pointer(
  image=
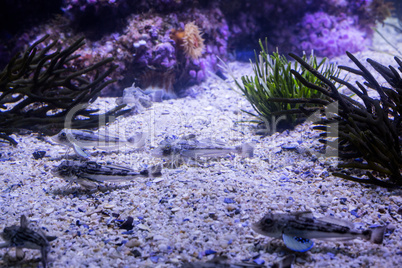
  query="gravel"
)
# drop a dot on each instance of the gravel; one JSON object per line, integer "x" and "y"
{"x": 194, "y": 213}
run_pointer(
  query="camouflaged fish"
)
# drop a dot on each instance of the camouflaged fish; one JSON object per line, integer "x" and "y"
{"x": 297, "y": 229}
{"x": 23, "y": 237}
{"x": 81, "y": 139}
{"x": 188, "y": 148}
{"x": 89, "y": 173}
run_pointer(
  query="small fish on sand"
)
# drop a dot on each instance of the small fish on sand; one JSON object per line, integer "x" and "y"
{"x": 81, "y": 139}
{"x": 188, "y": 148}
{"x": 22, "y": 237}
{"x": 89, "y": 173}
{"x": 298, "y": 228}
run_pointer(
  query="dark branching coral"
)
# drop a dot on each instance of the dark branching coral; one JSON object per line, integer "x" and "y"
{"x": 39, "y": 91}
{"x": 369, "y": 130}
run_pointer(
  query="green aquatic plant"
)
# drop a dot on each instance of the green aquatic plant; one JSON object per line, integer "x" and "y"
{"x": 272, "y": 83}
{"x": 41, "y": 91}
{"x": 367, "y": 130}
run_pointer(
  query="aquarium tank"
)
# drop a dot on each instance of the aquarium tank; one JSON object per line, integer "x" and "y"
{"x": 178, "y": 133}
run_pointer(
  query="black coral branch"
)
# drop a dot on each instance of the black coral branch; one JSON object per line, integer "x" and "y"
{"x": 39, "y": 88}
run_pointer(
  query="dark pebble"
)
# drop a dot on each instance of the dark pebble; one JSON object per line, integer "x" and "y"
{"x": 128, "y": 224}
{"x": 343, "y": 200}
{"x": 212, "y": 216}
{"x": 38, "y": 154}
{"x": 136, "y": 253}
{"x": 221, "y": 75}
{"x": 164, "y": 200}
{"x": 399, "y": 211}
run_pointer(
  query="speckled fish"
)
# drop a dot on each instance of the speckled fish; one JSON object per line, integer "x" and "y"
{"x": 23, "y": 237}
{"x": 297, "y": 229}
{"x": 189, "y": 148}
{"x": 81, "y": 139}
{"x": 87, "y": 174}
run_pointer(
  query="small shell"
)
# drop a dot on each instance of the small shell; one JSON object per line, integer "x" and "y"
{"x": 175, "y": 209}
{"x": 143, "y": 227}
{"x": 158, "y": 180}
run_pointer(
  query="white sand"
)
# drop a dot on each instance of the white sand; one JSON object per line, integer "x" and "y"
{"x": 183, "y": 215}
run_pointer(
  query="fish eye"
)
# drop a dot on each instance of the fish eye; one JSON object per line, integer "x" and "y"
{"x": 268, "y": 221}
{"x": 64, "y": 168}
{"x": 7, "y": 232}
{"x": 167, "y": 150}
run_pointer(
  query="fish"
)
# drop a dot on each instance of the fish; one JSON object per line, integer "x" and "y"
{"x": 298, "y": 228}
{"x": 89, "y": 173}
{"x": 23, "y": 237}
{"x": 187, "y": 147}
{"x": 81, "y": 139}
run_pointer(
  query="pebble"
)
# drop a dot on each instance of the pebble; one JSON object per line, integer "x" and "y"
{"x": 175, "y": 209}
{"x": 133, "y": 243}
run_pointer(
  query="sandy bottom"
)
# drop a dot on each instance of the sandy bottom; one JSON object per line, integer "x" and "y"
{"x": 194, "y": 213}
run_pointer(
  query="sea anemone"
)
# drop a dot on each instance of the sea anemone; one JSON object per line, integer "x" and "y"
{"x": 189, "y": 40}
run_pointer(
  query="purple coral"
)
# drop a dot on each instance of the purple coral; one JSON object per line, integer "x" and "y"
{"x": 164, "y": 54}
{"x": 138, "y": 33}
{"x": 331, "y": 35}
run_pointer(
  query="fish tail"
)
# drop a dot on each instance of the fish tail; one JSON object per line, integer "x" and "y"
{"x": 377, "y": 235}
{"x": 138, "y": 139}
{"x": 156, "y": 171}
{"x": 246, "y": 150}
{"x": 44, "y": 251}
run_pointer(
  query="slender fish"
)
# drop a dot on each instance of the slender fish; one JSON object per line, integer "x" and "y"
{"x": 180, "y": 150}
{"x": 297, "y": 229}
{"x": 89, "y": 173}
{"x": 23, "y": 237}
{"x": 81, "y": 139}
